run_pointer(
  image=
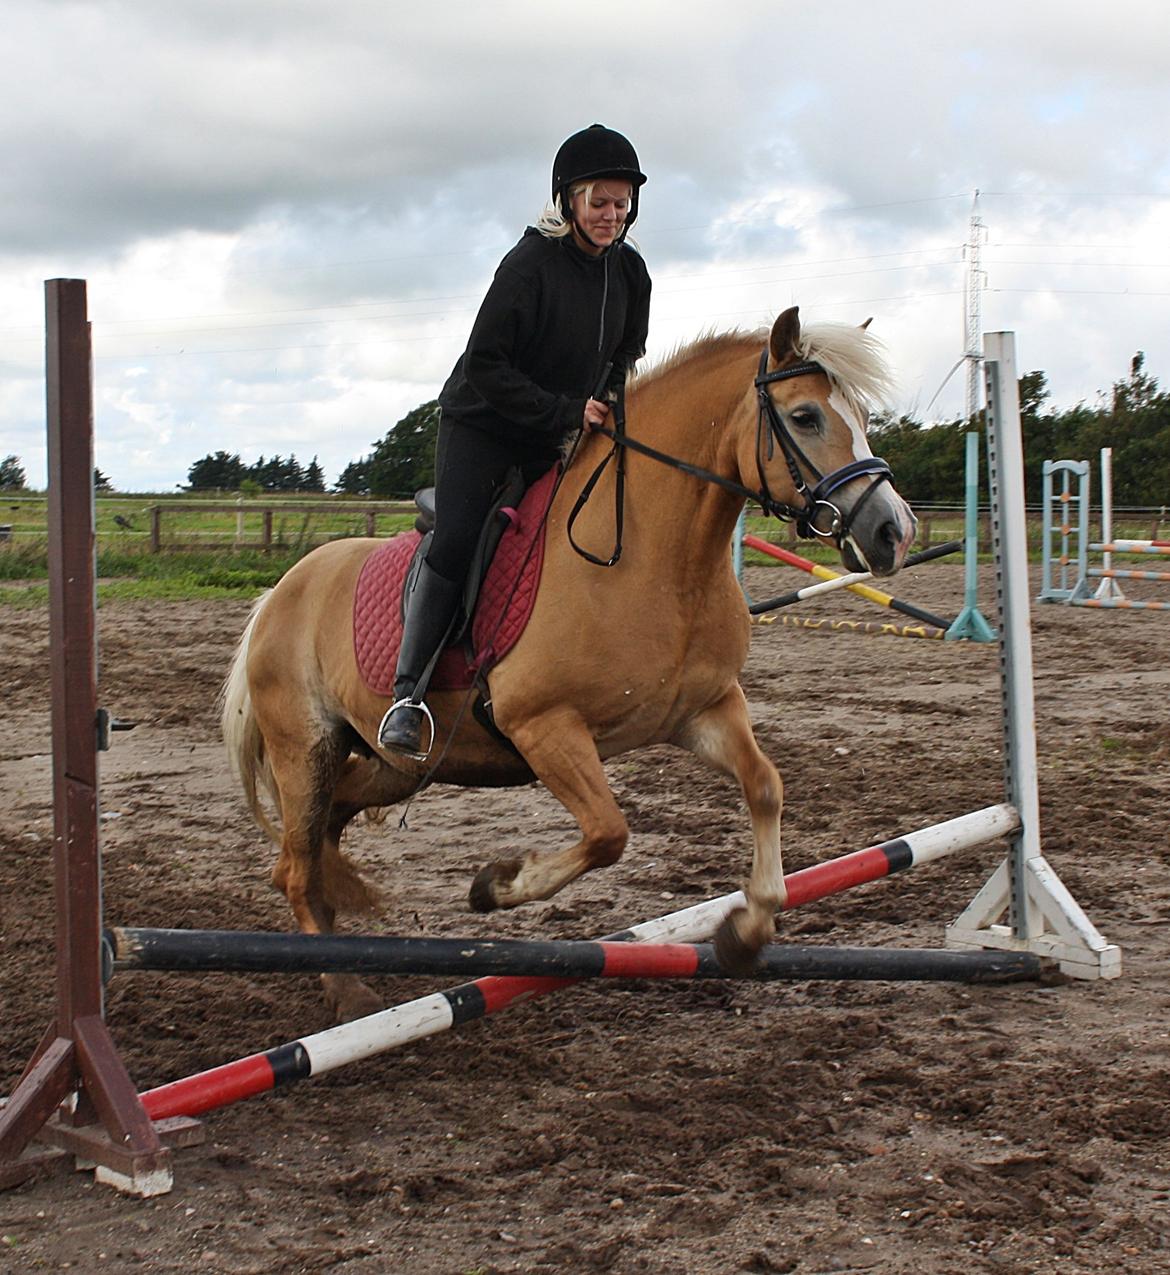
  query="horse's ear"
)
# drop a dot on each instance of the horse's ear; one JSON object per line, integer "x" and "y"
{"x": 785, "y": 334}
{"x": 866, "y": 324}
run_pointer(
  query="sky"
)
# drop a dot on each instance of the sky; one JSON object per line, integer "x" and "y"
{"x": 288, "y": 211}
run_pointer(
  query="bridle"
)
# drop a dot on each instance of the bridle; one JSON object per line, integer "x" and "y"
{"x": 771, "y": 431}
{"x": 817, "y": 499}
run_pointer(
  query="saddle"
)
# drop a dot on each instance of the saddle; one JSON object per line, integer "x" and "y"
{"x": 498, "y": 596}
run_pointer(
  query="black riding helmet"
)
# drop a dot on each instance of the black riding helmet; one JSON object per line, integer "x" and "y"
{"x": 592, "y": 153}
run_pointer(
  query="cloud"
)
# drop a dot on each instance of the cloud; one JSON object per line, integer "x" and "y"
{"x": 288, "y": 211}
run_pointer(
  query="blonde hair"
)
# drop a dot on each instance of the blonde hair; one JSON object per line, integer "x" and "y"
{"x": 552, "y": 222}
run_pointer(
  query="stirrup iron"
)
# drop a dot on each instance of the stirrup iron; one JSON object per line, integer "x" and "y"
{"x": 419, "y": 754}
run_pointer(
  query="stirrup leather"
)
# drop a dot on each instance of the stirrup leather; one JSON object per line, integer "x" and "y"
{"x": 406, "y": 702}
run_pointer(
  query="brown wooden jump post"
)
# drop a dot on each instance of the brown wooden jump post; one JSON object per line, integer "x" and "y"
{"x": 75, "y": 1094}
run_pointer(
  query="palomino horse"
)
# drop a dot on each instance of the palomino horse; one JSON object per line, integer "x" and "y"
{"x": 646, "y": 652}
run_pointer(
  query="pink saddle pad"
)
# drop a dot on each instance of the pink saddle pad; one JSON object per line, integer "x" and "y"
{"x": 505, "y": 600}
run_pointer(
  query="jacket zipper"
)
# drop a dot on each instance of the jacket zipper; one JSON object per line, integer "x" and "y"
{"x": 604, "y": 300}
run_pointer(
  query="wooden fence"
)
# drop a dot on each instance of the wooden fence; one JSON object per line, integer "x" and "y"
{"x": 257, "y": 521}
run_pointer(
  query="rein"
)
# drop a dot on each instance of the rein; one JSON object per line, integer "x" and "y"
{"x": 804, "y": 516}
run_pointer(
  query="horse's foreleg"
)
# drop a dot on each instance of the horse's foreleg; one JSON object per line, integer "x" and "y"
{"x": 722, "y": 736}
{"x": 563, "y": 756}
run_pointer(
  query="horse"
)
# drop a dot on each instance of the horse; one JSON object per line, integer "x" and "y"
{"x": 645, "y": 651}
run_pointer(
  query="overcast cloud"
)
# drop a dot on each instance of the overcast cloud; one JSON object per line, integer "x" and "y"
{"x": 288, "y": 211}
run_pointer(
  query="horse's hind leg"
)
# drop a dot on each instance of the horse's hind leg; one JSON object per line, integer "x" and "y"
{"x": 722, "y": 736}
{"x": 562, "y": 754}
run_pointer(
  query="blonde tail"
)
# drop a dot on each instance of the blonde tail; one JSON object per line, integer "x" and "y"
{"x": 241, "y": 735}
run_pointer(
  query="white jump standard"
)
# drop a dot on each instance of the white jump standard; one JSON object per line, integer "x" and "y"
{"x": 1024, "y": 906}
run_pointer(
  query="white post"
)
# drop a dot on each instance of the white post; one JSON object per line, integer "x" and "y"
{"x": 1042, "y": 917}
{"x": 1009, "y": 533}
{"x": 1108, "y": 588}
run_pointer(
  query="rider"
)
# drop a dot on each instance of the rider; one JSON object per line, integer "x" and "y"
{"x": 562, "y": 324}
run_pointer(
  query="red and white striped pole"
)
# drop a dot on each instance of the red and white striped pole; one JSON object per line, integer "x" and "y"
{"x": 390, "y": 1028}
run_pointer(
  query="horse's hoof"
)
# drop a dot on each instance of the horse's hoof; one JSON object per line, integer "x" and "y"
{"x": 735, "y": 956}
{"x": 492, "y": 882}
{"x": 480, "y": 896}
{"x": 351, "y": 1003}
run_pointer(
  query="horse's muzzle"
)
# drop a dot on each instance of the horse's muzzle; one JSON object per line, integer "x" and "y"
{"x": 880, "y": 544}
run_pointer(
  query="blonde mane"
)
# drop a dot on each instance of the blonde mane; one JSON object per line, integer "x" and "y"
{"x": 853, "y": 359}
{"x": 706, "y": 343}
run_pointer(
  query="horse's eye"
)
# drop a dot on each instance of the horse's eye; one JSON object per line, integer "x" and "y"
{"x": 804, "y": 418}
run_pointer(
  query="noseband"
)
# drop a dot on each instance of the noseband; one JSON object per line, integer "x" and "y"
{"x": 772, "y": 431}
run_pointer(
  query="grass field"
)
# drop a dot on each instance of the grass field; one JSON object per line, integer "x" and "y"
{"x": 216, "y": 521}
{"x": 210, "y": 548}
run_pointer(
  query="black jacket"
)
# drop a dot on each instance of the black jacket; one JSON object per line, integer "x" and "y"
{"x": 550, "y": 322}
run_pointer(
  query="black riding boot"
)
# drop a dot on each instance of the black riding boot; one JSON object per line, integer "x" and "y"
{"x": 429, "y": 612}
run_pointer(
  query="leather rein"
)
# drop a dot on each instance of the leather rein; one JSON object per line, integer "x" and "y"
{"x": 771, "y": 431}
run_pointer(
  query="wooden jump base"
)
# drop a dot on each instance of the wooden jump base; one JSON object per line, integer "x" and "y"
{"x": 391, "y": 1028}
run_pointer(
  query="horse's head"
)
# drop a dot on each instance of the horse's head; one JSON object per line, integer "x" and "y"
{"x": 814, "y": 391}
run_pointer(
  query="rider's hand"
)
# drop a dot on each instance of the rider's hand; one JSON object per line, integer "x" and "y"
{"x": 596, "y": 415}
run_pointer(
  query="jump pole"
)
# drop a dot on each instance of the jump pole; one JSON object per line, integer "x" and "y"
{"x": 427, "y": 1016}
{"x": 845, "y": 581}
{"x": 882, "y": 628}
{"x": 236, "y": 951}
{"x": 862, "y": 590}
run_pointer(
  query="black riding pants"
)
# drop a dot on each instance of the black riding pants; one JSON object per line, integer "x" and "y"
{"x": 470, "y": 466}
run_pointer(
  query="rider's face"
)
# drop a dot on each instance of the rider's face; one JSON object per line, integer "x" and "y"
{"x": 602, "y": 215}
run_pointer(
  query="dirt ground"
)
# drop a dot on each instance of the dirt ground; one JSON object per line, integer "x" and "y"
{"x": 679, "y": 1127}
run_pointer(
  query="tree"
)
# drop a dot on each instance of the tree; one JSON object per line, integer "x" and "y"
{"x": 314, "y": 477}
{"x": 11, "y": 474}
{"x": 1040, "y": 432}
{"x": 404, "y": 460}
{"x": 278, "y": 473}
{"x": 1138, "y": 429}
{"x": 354, "y": 479}
{"x": 101, "y": 482}
{"x": 927, "y": 461}
{"x": 218, "y": 472}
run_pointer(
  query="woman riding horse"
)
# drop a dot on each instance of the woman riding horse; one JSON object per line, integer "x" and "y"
{"x": 560, "y": 328}
{"x": 648, "y": 652}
